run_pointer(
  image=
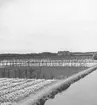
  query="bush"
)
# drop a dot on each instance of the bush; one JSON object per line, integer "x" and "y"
{"x": 95, "y": 56}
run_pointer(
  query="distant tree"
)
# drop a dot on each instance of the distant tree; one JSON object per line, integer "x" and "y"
{"x": 95, "y": 56}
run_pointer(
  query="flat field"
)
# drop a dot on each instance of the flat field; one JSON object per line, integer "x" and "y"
{"x": 39, "y": 72}
{"x": 13, "y": 90}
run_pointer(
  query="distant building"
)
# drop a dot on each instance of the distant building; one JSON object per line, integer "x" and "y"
{"x": 65, "y": 53}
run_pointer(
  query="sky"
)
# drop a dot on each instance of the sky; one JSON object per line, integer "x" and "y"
{"x": 29, "y": 26}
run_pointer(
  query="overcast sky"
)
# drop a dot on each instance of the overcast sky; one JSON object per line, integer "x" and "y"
{"x": 48, "y": 25}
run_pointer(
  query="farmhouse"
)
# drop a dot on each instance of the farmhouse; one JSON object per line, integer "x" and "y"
{"x": 65, "y": 53}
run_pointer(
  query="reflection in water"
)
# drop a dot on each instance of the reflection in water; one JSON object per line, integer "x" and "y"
{"x": 83, "y": 92}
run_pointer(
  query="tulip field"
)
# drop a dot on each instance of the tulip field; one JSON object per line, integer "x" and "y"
{"x": 13, "y": 90}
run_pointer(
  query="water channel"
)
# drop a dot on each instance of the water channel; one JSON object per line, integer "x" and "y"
{"x": 83, "y": 92}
